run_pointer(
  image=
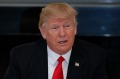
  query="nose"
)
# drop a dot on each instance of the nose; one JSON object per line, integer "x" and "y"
{"x": 62, "y": 32}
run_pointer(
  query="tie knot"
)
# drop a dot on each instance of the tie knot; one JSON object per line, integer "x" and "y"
{"x": 60, "y": 59}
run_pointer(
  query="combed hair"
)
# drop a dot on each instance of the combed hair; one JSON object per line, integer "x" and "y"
{"x": 62, "y": 10}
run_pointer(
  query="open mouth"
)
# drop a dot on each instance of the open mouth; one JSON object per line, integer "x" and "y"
{"x": 63, "y": 42}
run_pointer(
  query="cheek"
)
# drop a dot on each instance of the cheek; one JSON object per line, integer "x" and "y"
{"x": 50, "y": 36}
{"x": 72, "y": 33}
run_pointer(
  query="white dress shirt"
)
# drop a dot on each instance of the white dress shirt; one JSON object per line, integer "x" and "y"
{"x": 52, "y": 62}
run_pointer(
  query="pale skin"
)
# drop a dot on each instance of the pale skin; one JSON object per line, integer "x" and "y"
{"x": 59, "y": 33}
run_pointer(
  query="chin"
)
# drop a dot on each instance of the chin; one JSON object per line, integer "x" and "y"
{"x": 64, "y": 50}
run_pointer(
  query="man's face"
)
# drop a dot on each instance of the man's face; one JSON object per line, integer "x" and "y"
{"x": 59, "y": 34}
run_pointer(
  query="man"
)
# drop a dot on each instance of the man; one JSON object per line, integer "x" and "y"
{"x": 38, "y": 60}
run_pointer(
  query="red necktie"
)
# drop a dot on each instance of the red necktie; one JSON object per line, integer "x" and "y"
{"x": 58, "y": 72}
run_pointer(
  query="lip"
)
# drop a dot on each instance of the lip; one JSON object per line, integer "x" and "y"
{"x": 63, "y": 42}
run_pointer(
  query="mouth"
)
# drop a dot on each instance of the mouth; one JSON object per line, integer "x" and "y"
{"x": 63, "y": 42}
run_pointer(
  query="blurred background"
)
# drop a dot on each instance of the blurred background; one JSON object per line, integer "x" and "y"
{"x": 98, "y": 23}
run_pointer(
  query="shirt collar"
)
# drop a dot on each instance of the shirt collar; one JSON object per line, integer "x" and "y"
{"x": 52, "y": 56}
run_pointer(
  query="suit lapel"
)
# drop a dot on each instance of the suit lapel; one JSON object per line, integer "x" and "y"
{"x": 77, "y": 68}
{"x": 42, "y": 61}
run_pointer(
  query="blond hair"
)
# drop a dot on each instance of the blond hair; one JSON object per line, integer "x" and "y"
{"x": 62, "y": 10}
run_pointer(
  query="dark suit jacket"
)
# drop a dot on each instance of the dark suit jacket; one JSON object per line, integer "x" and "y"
{"x": 29, "y": 61}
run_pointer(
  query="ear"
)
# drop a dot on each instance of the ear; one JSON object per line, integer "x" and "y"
{"x": 75, "y": 30}
{"x": 43, "y": 32}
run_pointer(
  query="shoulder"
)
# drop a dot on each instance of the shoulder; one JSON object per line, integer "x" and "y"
{"x": 24, "y": 47}
{"x": 91, "y": 50}
{"x": 29, "y": 46}
{"x": 27, "y": 49}
{"x": 87, "y": 45}
{"x": 27, "y": 53}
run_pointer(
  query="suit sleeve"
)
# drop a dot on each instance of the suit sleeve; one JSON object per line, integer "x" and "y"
{"x": 13, "y": 71}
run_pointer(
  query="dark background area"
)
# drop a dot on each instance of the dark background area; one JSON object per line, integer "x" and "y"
{"x": 98, "y": 25}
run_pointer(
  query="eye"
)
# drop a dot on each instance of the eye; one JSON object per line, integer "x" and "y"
{"x": 67, "y": 26}
{"x": 55, "y": 27}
